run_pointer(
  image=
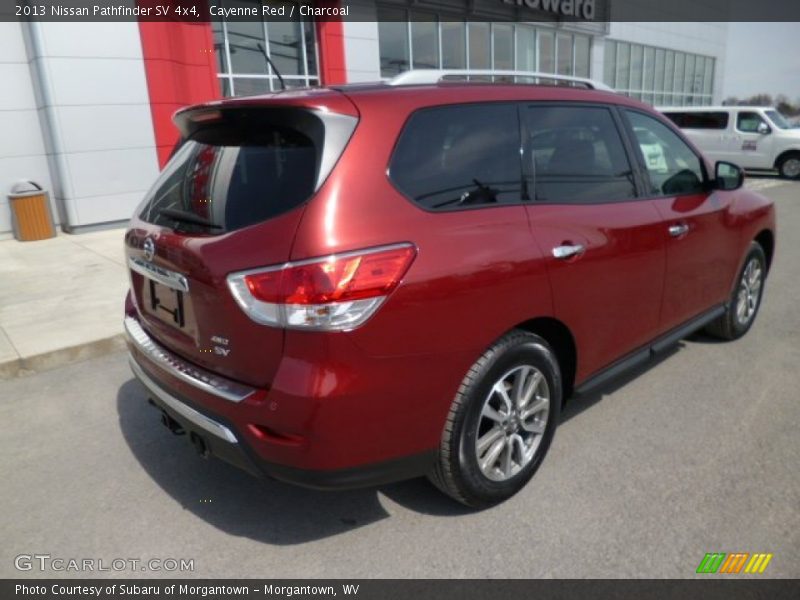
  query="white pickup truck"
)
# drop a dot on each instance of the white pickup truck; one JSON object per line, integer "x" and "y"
{"x": 753, "y": 137}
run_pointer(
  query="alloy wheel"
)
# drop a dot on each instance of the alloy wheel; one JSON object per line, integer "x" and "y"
{"x": 749, "y": 291}
{"x": 512, "y": 422}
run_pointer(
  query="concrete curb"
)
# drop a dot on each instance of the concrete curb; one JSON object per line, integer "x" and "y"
{"x": 63, "y": 356}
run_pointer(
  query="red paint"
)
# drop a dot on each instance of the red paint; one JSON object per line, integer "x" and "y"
{"x": 181, "y": 69}
{"x": 383, "y": 390}
{"x": 330, "y": 41}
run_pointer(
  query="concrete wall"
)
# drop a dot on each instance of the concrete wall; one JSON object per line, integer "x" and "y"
{"x": 22, "y": 147}
{"x": 92, "y": 97}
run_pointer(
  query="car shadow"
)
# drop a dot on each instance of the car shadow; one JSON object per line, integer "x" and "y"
{"x": 273, "y": 512}
{"x": 265, "y": 510}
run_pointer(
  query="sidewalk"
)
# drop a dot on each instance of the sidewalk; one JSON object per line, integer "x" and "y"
{"x": 61, "y": 300}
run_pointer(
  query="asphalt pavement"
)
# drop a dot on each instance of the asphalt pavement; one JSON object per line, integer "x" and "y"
{"x": 696, "y": 453}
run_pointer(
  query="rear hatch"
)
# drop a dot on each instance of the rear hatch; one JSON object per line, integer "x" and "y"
{"x": 230, "y": 199}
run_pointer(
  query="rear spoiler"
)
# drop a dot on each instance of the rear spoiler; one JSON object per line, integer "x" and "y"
{"x": 253, "y": 124}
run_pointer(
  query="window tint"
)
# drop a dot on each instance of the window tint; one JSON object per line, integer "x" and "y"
{"x": 458, "y": 156}
{"x": 748, "y": 122}
{"x": 577, "y": 155}
{"x": 673, "y": 167}
{"x": 699, "y": 120}
{"x": 217, "y": 188}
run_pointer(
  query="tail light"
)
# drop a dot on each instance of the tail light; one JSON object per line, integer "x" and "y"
{"x": 333, "y": 293}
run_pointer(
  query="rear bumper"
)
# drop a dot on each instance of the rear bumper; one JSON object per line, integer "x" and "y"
{"x": 220, "y": 412}
{"x": 222, "y": 441}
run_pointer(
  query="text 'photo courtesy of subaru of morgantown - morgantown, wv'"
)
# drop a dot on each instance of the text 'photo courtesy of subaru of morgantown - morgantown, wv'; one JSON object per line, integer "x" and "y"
{"x": 358, "y": 284}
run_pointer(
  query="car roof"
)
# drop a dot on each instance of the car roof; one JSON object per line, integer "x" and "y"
{"x": 444, "y": 92}
{"x": 711, "y": 108}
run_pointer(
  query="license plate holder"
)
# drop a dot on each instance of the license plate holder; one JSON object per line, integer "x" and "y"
{"x": 167, "y": 303}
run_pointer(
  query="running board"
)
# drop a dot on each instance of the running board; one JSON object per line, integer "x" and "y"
{"x": 643, "y": 355}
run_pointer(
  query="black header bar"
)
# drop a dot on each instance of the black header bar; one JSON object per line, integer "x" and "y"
{"x": 590, "y": 11}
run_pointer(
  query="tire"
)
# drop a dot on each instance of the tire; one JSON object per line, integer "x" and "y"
{"x": 746, "y": 297}
{"x": 789, "y": 166}
{"x": 525, "y": 420}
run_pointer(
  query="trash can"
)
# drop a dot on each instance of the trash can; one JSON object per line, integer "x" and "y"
{"x": 30, "y": 212}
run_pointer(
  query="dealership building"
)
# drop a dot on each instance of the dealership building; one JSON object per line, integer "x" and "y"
{"x": 86, "y": 106}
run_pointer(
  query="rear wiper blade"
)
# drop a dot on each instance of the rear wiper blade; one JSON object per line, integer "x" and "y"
{"x": 187, "y": 217}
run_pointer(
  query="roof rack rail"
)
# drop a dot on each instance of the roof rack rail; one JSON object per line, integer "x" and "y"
{"x": 433, "y": 76}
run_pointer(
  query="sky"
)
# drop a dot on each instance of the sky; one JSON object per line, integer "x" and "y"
{"x": 762, "y": 58}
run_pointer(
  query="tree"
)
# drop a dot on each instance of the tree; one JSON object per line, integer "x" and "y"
{"x": 760, "y": 100}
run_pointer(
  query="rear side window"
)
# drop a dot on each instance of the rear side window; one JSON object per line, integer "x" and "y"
{"x": 462, "y": 156}
{"x": 229, "y": 178}
{"x": 699, "y": 120}
{"x": 577, "y": 155}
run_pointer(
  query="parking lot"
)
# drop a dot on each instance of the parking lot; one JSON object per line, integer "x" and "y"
{"x": 696, "y": 453}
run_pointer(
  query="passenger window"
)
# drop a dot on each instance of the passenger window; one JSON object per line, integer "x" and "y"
{"x": 699, "y": 120}
{"x": 461, "y": 156}
{"x": 577, "y": 155}
{"x": 748, "y": 122}
{"x": 673, "y": 167}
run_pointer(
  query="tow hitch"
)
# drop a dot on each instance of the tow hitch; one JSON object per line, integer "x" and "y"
{"x": 171, "y": 424}
{"x": 199, "y": 444}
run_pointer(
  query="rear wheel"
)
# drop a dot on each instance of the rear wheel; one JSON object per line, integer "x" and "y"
{"x": 746, "y": 298}
{"x": 501, "y": 422}
{"x": 789, "y": 166}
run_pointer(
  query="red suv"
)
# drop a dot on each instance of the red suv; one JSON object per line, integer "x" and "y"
{"x": 347, "y": 286}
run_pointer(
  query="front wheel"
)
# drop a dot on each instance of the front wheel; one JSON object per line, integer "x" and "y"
{"x": 501, "y": 422}
{"x": 746, "y": 298}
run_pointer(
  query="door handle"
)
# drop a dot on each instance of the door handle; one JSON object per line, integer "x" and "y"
{"x": 678, "y": 230}
{"x": 568, "y": 251}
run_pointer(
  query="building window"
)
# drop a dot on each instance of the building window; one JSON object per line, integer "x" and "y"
{"x": 582, "y": 56}
{"x": 480, "y": 48}
{"x": 242, "y": 48}
{"x": 425, "y": 42}
{"x": 547, "y": 52}
{"x": 658, "y": 76}
{"x": 526, "y": 48}
{"x": 410, "y": 40}
{"x": 503, "y": 48}
{"x": 454, "y": 45}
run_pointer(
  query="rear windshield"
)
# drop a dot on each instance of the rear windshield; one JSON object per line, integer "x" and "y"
{"x": 228, "y": 178}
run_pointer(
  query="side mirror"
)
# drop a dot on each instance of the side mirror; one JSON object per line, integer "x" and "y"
{"x": 763, "y": 128}
{"x": 728, "y": 176}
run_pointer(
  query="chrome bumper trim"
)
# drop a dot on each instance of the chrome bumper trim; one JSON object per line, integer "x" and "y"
{"x": 171, "y": 279}
{"x": 190, "y": 414}
{"x": 199, "y": 378}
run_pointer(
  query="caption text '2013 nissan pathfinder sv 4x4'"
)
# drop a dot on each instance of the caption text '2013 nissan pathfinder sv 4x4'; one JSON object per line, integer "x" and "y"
{"x": 352, "y": 285}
